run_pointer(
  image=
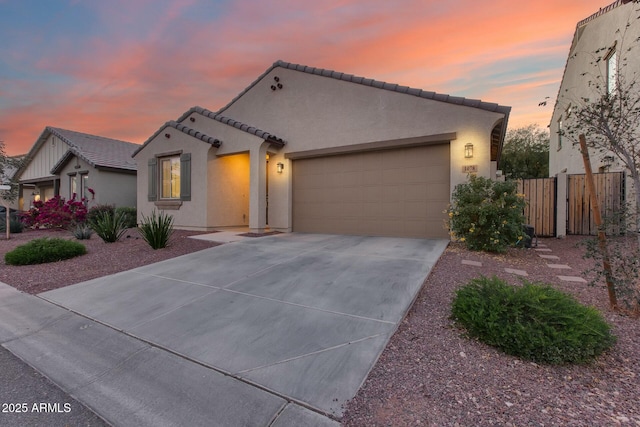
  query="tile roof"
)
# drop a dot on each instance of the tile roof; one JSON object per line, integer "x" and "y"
{"x": 98, "y": 151}
{"x": 184, "y": 129}
{"x": 236, "y": 124}
{"x": 602, "y": 11}
{"x": 457, "y": 100}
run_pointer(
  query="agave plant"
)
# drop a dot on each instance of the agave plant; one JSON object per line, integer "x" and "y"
{"x": 156, "y": 229}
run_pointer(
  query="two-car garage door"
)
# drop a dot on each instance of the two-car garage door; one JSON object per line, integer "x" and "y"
{"x": 396, "y": 192}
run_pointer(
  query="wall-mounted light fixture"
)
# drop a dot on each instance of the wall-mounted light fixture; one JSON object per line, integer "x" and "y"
{"x": 608, "y": 160}
{"x": 468, "y": 150}
{"x": 280, "y": 167}
{"x": 193, "y": 119}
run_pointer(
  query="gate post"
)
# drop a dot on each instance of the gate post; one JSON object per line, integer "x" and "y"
{"x": 561, "y": 205}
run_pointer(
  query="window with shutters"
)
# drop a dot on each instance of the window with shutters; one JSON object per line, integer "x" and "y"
{"x": 170, "y": 177}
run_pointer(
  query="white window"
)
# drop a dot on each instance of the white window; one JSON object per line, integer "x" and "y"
{"x": 170, "y": 177}
{"x": 79, "y": 185}
{"x": 612, "y": 71}
{"x": 560, "y": 132}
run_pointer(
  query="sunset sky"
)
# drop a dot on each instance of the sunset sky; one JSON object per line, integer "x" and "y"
{"x": 122, "y": 68}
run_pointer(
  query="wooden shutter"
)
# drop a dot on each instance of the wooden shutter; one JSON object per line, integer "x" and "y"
{"x": 153, "y": 179}
{"x": 185, "y": 176}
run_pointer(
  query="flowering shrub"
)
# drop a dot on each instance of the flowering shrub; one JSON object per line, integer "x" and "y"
{"x": 487, "y": 215}
{"x": 56, "y": 213}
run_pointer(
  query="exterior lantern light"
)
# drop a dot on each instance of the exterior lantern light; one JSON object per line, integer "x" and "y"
{"x": 468, "y": 151}
{"x": 280, "y": 167}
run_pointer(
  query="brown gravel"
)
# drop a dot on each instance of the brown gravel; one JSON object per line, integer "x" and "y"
{"x": 101, "y": 258}
{"x": 430, "y": 374}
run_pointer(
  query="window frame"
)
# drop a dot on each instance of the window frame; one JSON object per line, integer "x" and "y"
{"x": 174, "y": 160}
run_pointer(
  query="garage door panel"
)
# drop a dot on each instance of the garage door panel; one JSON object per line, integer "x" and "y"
{"x": 398, "y": 192}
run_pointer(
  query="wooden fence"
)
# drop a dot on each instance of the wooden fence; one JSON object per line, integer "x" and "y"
{"x": 540, "y": 212}
{"x": 610, "y": 192}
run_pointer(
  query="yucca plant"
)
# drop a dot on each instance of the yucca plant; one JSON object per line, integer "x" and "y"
{"x": 109, "y": 227}
{"x": 156, "y": 229}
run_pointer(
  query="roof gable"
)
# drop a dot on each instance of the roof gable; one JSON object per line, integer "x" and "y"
{"x": 97, "y": 151}
{"x": 474, "y": 103}
{"x": 184, "y": 129}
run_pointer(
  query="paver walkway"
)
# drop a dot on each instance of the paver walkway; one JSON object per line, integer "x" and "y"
{"x": 543, "y": 252}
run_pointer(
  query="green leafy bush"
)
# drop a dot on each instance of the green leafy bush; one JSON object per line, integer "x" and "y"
{"x": 96, "y": 210}
{"x": 39, "y": 251}
{"x": 487, "y": 215}
{"x": 82, "y": 232}
{"x": 534, "y": 322}
{"x": 109, "y": 227}
{"x": 130, "y": 213}
{"x": 157, "y": 229}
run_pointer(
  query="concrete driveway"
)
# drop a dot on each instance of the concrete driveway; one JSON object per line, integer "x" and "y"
{"x": 271, "y": 331}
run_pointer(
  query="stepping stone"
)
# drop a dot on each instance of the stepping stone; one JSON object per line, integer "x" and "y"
{"x": 542, "y": 249}
{"x": 541, "y": 245}
{"x": 572, "y": 279}
{"x": 549, "y": 256}
{"x": 517, "y": 272}
{"x": 474, "y": 263}
{"x": 559, "y": 266}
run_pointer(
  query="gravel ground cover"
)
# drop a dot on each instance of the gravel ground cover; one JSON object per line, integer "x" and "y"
{"x": 430, "y": 374}
{"x": 101, "y": 259}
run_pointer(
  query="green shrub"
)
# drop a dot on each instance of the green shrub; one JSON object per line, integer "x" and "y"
{"x": 533, "y": 322}
{"x": 487, "y": 215}
{"x": 131, "y": 219}
{"x": 96, "y": 210}
{"x": 156, "y": 229}
{"x": 109, "y": 227}
{"x": 82, "y": 232}
{"x": 39, "y": 251}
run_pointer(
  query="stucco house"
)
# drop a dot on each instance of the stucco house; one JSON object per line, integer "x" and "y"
{"x": 313, "y": 150}
{"x": 63, "y": 162}
{"x": 599, "y": 54}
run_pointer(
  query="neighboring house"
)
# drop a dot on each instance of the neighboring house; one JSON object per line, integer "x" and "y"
{"x": 604, "y": 39}
{"x": 314, "y": 150}
{"x": 63, "y": 162}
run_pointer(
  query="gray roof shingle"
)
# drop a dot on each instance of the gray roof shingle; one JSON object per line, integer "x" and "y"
{"x": 236, "y": 124}
{"x": 184, "y": 129}
{"x": 98, "y": 151}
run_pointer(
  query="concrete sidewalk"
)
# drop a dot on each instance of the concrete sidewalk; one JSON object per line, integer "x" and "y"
{"x": 271, "y": 331}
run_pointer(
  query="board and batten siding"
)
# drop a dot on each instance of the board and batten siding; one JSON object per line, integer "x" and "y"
{"x": 45, "y": 158}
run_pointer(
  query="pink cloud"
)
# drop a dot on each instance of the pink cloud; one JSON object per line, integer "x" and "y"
{"x": 116, "y": 86}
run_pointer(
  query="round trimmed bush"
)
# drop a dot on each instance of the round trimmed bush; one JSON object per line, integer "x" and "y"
{"x": 533, "y": 322}
{"x": 40, "y": 251}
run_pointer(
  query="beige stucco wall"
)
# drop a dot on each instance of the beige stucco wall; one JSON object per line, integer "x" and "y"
{"x": 580, "y": 79}
{"x": 191, "y": 214}
{"x": 313, "y": 112}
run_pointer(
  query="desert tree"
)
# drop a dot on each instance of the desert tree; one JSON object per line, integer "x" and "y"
{"x": 526, "y": 153}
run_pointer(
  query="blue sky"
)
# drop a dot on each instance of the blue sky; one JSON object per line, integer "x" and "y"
{"x": 122, "y": 68}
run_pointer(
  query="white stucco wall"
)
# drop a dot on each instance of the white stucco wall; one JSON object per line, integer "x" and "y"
{"x": 581, "y": 78}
